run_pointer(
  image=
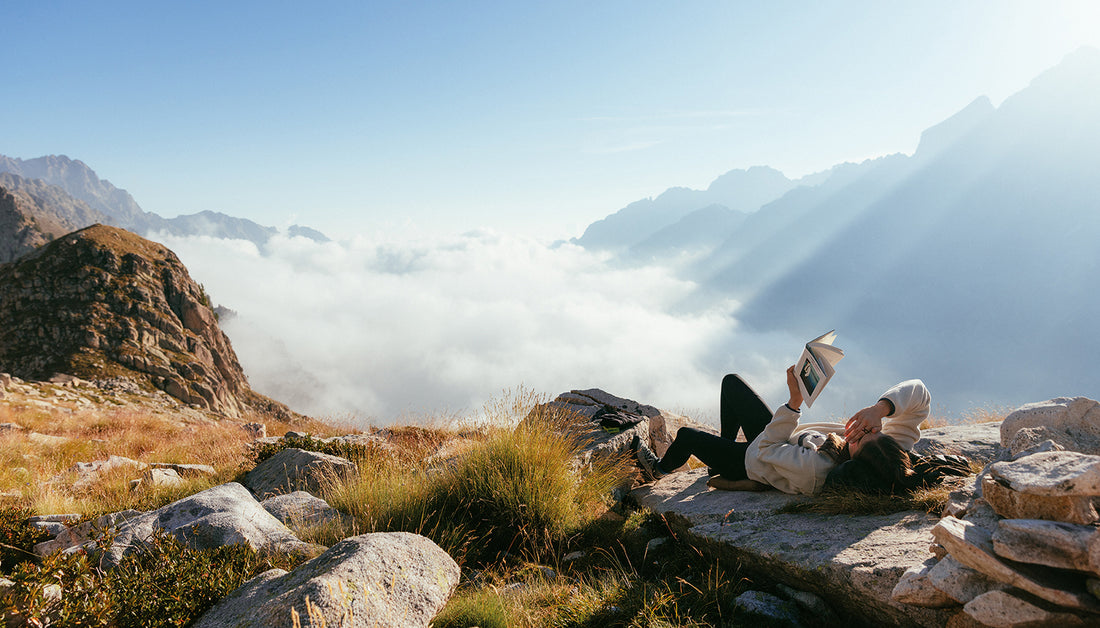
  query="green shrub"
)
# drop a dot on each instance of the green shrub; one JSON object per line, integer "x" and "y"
{"x": 17, "y": 537}
{"x": 518, "y": 492}
{"x": 165, "y": 584}
{"x": 480, "y": 608}
{"x": 351, "y": 451}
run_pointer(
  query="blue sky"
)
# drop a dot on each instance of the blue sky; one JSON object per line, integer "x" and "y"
{"x": 531, "y": 117}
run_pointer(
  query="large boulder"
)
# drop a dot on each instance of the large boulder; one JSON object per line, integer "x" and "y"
{"x": 380, "y": 579}
{"x": 295, "y": 469}
{"x": 223, "y": 515}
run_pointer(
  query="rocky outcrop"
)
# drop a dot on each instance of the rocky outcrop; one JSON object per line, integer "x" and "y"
{"x": 1025, "y": 549}
{"x": 380, "y": 579}
{"x": 103, "y": 302}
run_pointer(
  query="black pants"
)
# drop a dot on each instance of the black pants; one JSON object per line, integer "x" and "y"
{"x": 741, "y": 409}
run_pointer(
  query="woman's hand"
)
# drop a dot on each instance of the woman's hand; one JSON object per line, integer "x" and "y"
{"x": 792, "y": 386}
{"x": 867, "y": 421}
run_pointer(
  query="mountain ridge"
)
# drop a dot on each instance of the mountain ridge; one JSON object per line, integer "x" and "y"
{"x": 115, "y": 206}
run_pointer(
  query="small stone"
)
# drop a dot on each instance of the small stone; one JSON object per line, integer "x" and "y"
{"x": 916, "y": 588}
{"x": 813, "y": 604}
{"x": 186, "y": 470}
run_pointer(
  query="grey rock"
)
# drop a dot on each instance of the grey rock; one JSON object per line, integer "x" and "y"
{"x": 381, "y": 579}
{"x": 1051, "y": 473}
{"x": 1007, "y": 609}
{"x": 255, "y": 429}
{"x": 185, "y": 470}
{"x": 916, "y": 588}
{"x": 1057, "y": 485}
{"x": 79, "y": 533}
{"x": 157, "y": 478}
{"x": 1075, "y": 418}
{"x": 296, "y": 469}
{"x": 1040, "y": 447}
{"x": 222, "y": 515}
{"x": 300, "y": 508}
{"x": 1050, "y": 543}
{"x": 657, "y": 430}
{"x": 766, "y": 605}
{"x": 52, "y": 528}
{"x": 959, "y": 582}
{"x": 89, "y": 472}
{"x": 811, "y": 604}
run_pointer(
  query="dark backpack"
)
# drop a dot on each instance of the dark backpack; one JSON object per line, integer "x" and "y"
{"x": 615, "y": 420}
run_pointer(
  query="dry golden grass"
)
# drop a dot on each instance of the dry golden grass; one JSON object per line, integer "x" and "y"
{"x": 35, "y": 464}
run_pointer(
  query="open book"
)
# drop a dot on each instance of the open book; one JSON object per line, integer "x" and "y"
{"x": 815, "y": 367}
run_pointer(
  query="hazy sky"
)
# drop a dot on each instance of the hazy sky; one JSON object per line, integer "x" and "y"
{"x": 538, "y": 117}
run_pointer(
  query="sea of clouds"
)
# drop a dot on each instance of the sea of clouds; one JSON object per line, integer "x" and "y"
{"x": 377, "y": 329}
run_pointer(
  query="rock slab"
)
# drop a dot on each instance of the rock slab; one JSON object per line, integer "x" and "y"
{"x": 853, "y": 562}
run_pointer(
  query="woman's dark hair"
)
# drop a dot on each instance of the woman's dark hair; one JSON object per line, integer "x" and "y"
{"x": 879, "y": 465}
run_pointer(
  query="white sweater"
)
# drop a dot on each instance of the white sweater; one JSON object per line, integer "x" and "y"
{"x": 775, "y": 457}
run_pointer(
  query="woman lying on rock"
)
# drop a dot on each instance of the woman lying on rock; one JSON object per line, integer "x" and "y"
{"x": 802, "y": 458}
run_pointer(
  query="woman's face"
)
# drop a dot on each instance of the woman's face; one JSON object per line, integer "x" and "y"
{"x": 856, "y": 442}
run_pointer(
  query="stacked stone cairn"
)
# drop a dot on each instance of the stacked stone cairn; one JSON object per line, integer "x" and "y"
{"x": 1022, "y": 548}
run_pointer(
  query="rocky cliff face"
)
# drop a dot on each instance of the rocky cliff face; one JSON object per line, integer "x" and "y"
{"x": 103, "y": 302}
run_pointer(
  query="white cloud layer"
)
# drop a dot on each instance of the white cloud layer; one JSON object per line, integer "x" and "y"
{"x": 374, "y": 330}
